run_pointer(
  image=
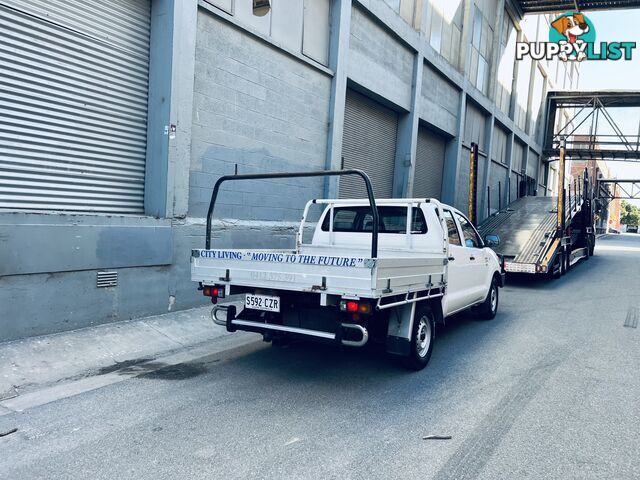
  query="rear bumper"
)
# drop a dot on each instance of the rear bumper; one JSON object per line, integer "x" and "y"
{"x": 226, "y": 316}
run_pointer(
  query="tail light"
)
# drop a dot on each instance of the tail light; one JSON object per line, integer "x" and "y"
{"x": 213, "y": 291}
{"x": 353, "y": 306}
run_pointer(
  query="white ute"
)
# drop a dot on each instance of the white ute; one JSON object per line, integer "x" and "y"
{"x": 351, "y": 284}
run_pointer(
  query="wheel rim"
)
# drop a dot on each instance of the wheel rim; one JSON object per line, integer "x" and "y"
{"x": 494, "y": 298}
{"x": 423, "y": 338}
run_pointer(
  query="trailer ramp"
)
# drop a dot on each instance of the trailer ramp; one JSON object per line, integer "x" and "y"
{"x": 527, "y": 231}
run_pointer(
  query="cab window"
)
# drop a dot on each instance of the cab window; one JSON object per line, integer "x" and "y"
{"x": 471, "y": 238}
{"x": 391, "y": 220}
{"x": 452, "y": 229}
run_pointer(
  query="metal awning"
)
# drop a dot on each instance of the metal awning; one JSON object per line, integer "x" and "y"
{"x": 550, "y": 6}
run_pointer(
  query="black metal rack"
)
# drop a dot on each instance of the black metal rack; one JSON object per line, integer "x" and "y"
{"x": 322, "y": 173}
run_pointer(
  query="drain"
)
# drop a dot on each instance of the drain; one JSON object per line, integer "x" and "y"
{"x": 632, "y": 317}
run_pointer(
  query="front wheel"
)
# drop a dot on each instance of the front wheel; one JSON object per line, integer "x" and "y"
{"x": 422, "y": 338}
{"x": 487, "y": 310}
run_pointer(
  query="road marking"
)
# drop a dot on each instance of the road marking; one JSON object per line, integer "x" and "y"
{"x": 468, "y": 460}
{"x": 632, "y": 317}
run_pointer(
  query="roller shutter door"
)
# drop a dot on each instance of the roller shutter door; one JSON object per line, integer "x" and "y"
{"x": 74, "y": 81}
{"x": 369, "y": 143}
{"x": 427, "y": 179}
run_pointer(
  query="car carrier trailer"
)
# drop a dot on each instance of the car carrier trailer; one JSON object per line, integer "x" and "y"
{"x": 547, "y": 235}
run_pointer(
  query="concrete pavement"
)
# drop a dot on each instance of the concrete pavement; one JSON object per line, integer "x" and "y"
{"x": 32, "y": 364}
{"x": 548, "y": 389}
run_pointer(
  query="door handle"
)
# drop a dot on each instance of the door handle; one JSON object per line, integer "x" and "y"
{"x": 472, "y": 257}
{"x": 451, "y": 259}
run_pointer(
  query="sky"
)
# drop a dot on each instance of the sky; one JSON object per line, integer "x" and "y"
{"x": 616, "y": 26}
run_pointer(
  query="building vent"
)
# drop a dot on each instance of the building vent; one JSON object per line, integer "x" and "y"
{"x": 107, "y": 279}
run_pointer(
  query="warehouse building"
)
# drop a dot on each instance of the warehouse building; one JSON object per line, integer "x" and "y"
{"x": 119, "y": 116}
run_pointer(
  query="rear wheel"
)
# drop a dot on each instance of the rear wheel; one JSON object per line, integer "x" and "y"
{"x": 487, "y": 310}
{"x": 422, "y": 338}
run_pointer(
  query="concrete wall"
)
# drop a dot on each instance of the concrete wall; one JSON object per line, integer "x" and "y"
{"x": 259, "y": 109}
{"x": 440, "y": 101}
{"x": 378, "y": 61}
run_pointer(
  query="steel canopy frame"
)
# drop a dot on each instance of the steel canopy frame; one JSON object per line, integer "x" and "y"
{"x": 551, "y": 6}
{"x": 615, "y": 189}
{"x": 618, "y": 146}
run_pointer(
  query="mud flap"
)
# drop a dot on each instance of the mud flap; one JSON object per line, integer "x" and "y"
{"x": 400, "y": 328}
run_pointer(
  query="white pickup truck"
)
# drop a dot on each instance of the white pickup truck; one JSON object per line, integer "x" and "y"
{"x": 355, "y": 283}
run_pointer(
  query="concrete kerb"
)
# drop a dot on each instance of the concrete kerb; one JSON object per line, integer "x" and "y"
{"x": 38, "y": 370}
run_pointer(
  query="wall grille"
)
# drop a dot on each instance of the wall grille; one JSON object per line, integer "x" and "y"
{"x": 107, "y": 279}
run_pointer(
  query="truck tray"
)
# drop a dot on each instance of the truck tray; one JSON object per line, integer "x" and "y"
{"x": 336, "y": 275}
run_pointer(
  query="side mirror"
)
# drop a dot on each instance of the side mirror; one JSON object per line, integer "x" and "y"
{"x": 492, "y": 240}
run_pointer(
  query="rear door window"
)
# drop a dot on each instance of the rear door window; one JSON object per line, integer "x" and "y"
{"x": 471, "y": 237}
{"x": 452, "y": 229}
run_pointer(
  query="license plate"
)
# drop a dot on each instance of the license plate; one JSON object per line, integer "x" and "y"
{"x": 262, "y": 302}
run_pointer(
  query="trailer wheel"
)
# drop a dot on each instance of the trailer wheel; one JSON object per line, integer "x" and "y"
{"x": 422, "y": 339}
{"x": 488, "y": 309}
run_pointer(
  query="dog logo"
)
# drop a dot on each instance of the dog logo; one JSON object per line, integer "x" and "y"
{"x": 571, "y": 27}
{"x": 572, "y": 37}
{"x": 573, "y": 32}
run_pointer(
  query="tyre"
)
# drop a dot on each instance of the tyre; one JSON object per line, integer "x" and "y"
{"x": 592, "y": 246}
{"x": 487, "y": 310}
{"x": 422, "y": 339}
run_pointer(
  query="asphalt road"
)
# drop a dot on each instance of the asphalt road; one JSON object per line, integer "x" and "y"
{"x": 549, "y": 389}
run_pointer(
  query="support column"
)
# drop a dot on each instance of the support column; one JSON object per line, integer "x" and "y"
{"x": 452, "y": 161}
{"x": 338, "y": 60}
{"x": 509, "y": 154}
{"x": 170, "y": 104}
{"x": 482, "y": 203}
{"x": 407, "y": 139}
{"x": 185, "y": 28}
{"x": 495, "y": 61}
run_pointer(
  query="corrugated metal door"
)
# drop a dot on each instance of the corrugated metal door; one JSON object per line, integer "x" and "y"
{"x": 427, "y": 179}
{"x": 369, "y": 143}
{"x": 74, "y": 88}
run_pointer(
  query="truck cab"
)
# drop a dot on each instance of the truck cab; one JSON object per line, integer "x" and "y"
{"x": 434, "y": 229}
